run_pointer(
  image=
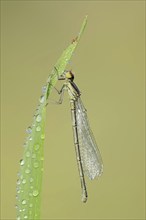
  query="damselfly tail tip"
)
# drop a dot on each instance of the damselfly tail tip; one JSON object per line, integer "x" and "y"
{"x": 84, "y": 198}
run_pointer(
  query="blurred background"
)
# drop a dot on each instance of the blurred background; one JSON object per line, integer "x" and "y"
{"x": 109, "y": 70}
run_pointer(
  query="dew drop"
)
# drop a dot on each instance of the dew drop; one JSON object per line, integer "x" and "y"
{"x": 35, "y": 193}
{"x": 23, "y": 202}
{"x": 24, "y": 145}
{"x": 21, "y": 177}
{"x": 17, "y": 188}
{"x": 27, "y": 154}
{"x": 37, "y": 111}
{"x": 31, "y": 180}
{"x": 38, "y": 128}
{"x": 18, "y": 182}
{"x": 16, "y": 206}
{"x": 30, "y": 138}
{"x": 25, "y": 217}
{"x": 38, "y": 118}
{"x": 27, "y": 170}
{"x": 29, "y": 130}
{"x": 42, "y": 158}
{"x": 31, "y": 205}
{"x": 36, "y": 164}
{"x": 34, "y": 156}
{"x": 18, "y": 191}
{"x": 43, "y": 136}
{"x": 18, "y": 174}
{"x": 30, "y": 194}
{"x": 42, "y": 98}
{"x": 22, "y": 162}
{"x": 36, "y": 146}
{"x": 26, "y": 141}
{"x": 18, "y": 217}
{"x": 31, "y": 187}
{"x": 24, "y": 181}
{"x": 49, "y": 79}
{"x": 44, "y": 89}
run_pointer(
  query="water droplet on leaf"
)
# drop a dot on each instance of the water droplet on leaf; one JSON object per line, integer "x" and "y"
{"x": 27, "y": 170}
{"x": 36, "y": 164}
{"x": 36, "y": 146}
{"x": 38, "y": 128}
{"x": 44, "y": 89}
{"x": 27, "y": 154}
{"x": 42, "y": 98}
{"x": 18, "y": 174}
{"x": 18, "y": 182}
{"x": 38, "y": 118}
{"x": 35, "y": 193}
{"x": 22, "y": 162}
{"x": 30, "y": 138}
{"x": 42, "y": 158}
{"x": 31, "y": 205}
{"x": 21, "y": 177}
{"x": 25, "y": 144}
{"x": 31, "y": 180}
{"x": 43, "y": 136}
{"x": 18, "y": 191}
{"x": 29, "y": 130}
{"x": 24, "y": 181}
{"x": 49, "y": 79}
{"x": 34, "y": 156}
{"x": 23, "y": 202}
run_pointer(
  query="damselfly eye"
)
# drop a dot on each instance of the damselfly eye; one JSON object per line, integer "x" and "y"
{"x": 69, "y": 75}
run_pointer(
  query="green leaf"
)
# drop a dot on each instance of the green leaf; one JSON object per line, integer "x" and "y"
{"x": 29, "y": 183}
{"x": 64, "y": 59}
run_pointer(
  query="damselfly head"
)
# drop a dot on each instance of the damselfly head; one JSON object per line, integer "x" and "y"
{"x": 69, "y": 75}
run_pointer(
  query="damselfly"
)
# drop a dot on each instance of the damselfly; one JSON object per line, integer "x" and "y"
{"x": 87, "y": 153}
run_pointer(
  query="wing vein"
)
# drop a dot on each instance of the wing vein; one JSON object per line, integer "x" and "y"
{"x": 90, "y": 155}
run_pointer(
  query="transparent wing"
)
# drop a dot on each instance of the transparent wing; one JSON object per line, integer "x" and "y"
{"x": 90, "y": 155}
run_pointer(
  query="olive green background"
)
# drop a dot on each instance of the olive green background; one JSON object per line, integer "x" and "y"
{"x": 109, "y": 69}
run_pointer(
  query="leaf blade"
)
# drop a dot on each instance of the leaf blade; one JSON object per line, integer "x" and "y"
{"x": 29, "y": 183}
